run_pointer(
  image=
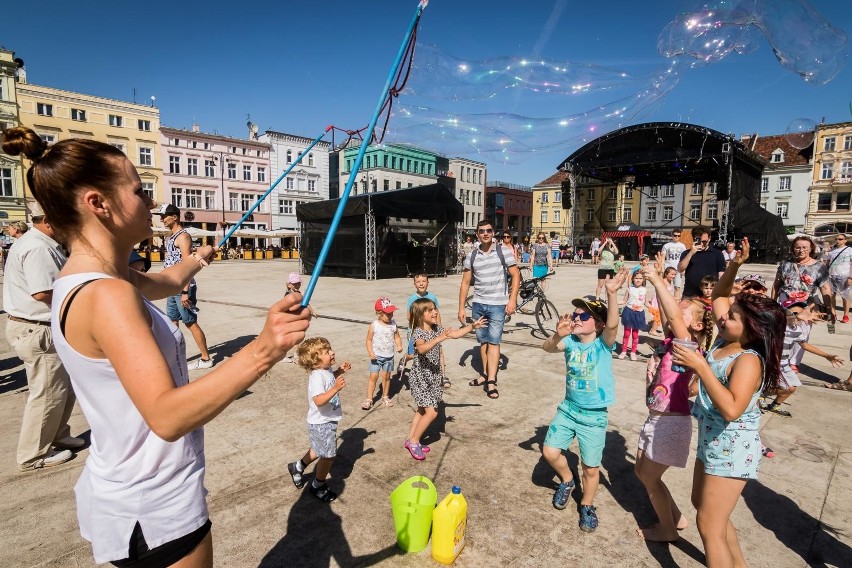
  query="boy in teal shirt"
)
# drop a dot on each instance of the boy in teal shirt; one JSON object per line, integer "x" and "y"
{"x": 421, "y": 290}
{"x": 586, "y": 338}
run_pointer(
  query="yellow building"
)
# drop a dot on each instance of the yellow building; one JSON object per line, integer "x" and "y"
{"x": 830, "y": 194}
{"x": 700, "y": 207}
{"x": 547, "y": 212}
{"x": 133, "y": 128}
{"x": 12, "y": 188}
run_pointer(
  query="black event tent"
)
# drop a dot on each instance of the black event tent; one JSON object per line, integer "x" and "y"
{"x": 379, "y": 222}
{"x": 659, "y": 153}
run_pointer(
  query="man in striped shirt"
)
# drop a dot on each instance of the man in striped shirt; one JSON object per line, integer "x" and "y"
{"x": 493, "y": 298}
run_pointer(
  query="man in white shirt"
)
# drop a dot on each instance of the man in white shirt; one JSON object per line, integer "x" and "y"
{"x": 35, "y": 260}
{"x": 673, "y": 251}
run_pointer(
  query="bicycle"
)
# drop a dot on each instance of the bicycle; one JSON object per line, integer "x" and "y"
{"x": 546, "y": 314}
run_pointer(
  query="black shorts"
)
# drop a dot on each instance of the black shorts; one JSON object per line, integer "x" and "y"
{"x": 604, "y": 272}
{"x": 140, "y": 556}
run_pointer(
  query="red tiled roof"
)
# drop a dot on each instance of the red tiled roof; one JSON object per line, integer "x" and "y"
{"x": 555, "y": 179}
{"x": 766, "y": 145}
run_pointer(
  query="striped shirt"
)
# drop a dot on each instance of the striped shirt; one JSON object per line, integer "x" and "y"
{"x": 489, "y": 279}
{"x": 792, "y": 335}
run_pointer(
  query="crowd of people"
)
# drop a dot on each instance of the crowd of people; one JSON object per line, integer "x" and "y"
{"x": 79, "y": 314}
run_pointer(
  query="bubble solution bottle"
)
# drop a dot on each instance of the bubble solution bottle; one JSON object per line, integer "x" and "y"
{"x": 449, "y": 521}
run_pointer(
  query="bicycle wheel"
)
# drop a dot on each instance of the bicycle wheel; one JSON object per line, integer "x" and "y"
{"x": 547, "y": 317}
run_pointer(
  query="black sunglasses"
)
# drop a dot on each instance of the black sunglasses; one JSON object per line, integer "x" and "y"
{"x": 582, "y": 316}
{"x": 484, "y": 231}
{"x": 507, "y": 236}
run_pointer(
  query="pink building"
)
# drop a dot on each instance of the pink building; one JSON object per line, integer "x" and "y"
{"x": 215, "y": 179}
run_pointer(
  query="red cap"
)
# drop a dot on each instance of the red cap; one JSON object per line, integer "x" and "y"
{"x": 385, "y": 305}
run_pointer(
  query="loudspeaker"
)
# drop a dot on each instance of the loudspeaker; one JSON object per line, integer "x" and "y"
{"x": 566, "y": 194}
{"x": 723, "y": 192}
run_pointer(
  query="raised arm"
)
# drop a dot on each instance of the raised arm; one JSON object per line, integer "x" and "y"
{"x": 668, "y": 305}
{"x": 612, "y": 285}
{"x": 722, "y": 291}
{"x": 170, "y": 281}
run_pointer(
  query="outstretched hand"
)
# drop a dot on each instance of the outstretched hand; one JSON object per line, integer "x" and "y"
{"x": 742, "y": 254}
{"x": 481, "y": 322}
{"x": 564, "y": 326}
{"x": 614, "y": 284}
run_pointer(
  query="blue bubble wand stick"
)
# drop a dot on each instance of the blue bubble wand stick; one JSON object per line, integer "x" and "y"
{"x": 335, "y": 222}
{"x": 260, "y": 199}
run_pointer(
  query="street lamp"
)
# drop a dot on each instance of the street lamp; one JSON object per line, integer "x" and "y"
{"x": 220, "y": 155}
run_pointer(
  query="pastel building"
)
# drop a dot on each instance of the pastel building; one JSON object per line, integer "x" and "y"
{"x": 214, "y": 180}
{"x": 786, "y": 178}
{"x": 830, "y": 199}
{"x": 509, "y": 207}
{"x": 56, "y": 114}
{"x": 471, "y": 179}
{"x": 306, "y": 182}
{"x": 13, "y": 191}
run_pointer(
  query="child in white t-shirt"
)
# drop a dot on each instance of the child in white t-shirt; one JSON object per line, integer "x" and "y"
{"x": 382, "y": 338}
{"x": 324, "y": 412}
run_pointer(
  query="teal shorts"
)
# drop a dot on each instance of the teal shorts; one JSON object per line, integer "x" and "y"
{"x": 587, "y": 425}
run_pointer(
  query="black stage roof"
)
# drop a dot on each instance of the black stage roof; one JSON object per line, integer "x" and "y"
{"x": 658, "y": 153}
{"x": 435, "y": 202}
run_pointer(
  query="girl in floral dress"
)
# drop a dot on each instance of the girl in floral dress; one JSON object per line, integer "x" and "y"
{"x": 425, "y": 379}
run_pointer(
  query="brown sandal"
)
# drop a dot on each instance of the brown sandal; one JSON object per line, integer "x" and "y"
{"x": 491, "y": 393}
{"x": 479, "y": 381}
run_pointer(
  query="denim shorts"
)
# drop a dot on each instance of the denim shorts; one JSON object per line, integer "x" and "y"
{"x": 381, "y": 364}
{"x": 175, "y": 310}
{"x": 587, "y": 425}
{"x": 493, "y": 331}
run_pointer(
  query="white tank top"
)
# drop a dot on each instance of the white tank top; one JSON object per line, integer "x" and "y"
{"x": 131, "y": 475}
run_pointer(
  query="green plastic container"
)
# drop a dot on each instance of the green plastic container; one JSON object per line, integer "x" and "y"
{"x": 413, "y": 502}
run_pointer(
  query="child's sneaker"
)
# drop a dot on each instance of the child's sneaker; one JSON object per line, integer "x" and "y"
{"x": 588, "y": 518}
{"x": 323, "y": 493}
{"x": 776, "y": 409}
{"x": 288, "y": 359}
{"x": 563, "y": 493}
{"x": 622, "y": 355}
{"x": 633, "y": 357}
{"x": 298, "y": 478}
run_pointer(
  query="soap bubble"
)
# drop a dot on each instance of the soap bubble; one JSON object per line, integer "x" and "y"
{"x": 456, "y": 105}
{"x": 800, "y": 133}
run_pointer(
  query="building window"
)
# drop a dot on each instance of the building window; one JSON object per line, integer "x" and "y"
{"x": 651, "y": 213}
{"x": 311, "y": 159}
{"x": 784, "y": 183}
{"x": 627, "y": 214}
{"x": 628, "y": 192}
{"x": 78, "y": 115}
{"x": 193, "y": 144}
{"x": 846, "y": 171}
{"x": 48, "y": 138}
{"x": 6, "y": 189}
{"x": 545, "y": 197}
{"x": 174, "y": 164}
{"x": 44, "y": 109}
{"x": 653, "y": 191}
{"x": 828, "y": 144}
{"x": 393, "y": 162}
{"x": 245, "y": 151}
{"x": 285, "y": 207}
{"x": 288, "y": 183}
{"x": 148, "y": 188}
{"x": 259, "y": 154}
{"x": 557, "y": 216}
{"x": 386, "y": 184}
{"x": 232, "y": 170}
{"x": 246, "y": 173}
{"x": 827, "y": 170}
{"x": 175, "y": 141}
{"x": 210, "y": 200}
{"x": 246, "y": 201}
{"x": 177, "y": 197}
{"x": 261, "y": 174}
{"x": 668, "y": 212}
{"x": 668, "y": 190}
{"x": 847, "y": 142}
{"x": 764, "y": 185}
{"x": 557, "y": 196}
{"x": 234, "y": 198}
{"x": 399, "y": 185}
{"x": 777, "y": 157}
{"x": 290, "y": 157}
{"x": 842, "y": 202}
{"x": 544, "y": 216}
{"x": 206, "y": 145}
{"x": 590, "y": 214}
{"x": 145, "y": 157}
{"x": 192, "y": 166}
{"x": 193, "y": 198}
{"x": 144, "y": 125}
{"x": 118, "y": 145}
{"x": 612, "y": 192}
{"x": 695, "y": 210}
{"x": 712, "y": 211}
{"x": 209, "y": 168}
{"x": 696, "y": 189}
{"x": 611, "y": 214}
{"x": 312, "y": 185}
{"x": 824, "y": 202}
{"x": 781, "y": 210}
{"x": 591, "y": 194}
{"x": 712, "y": 188}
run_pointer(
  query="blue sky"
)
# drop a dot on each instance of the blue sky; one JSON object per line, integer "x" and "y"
{"x": 298, "y": 67}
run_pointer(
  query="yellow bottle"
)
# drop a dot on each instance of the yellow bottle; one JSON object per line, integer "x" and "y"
{"x": 449, "y": 521}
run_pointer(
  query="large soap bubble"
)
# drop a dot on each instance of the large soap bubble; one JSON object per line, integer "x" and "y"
{"x": 800, "y": 133}
{"x": 458, "y": 105}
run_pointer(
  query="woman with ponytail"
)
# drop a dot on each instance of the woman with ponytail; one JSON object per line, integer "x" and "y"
{"x": 141, "y": 496}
